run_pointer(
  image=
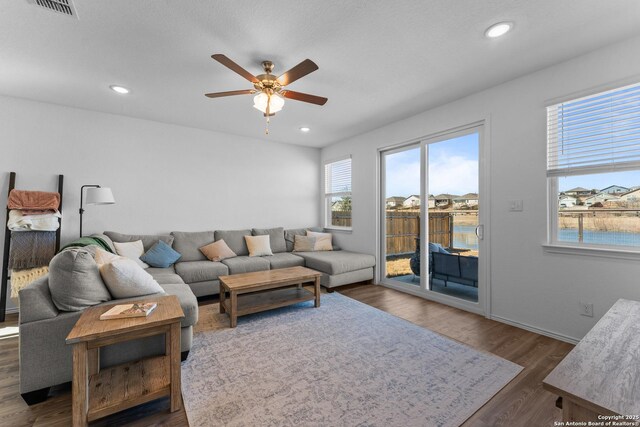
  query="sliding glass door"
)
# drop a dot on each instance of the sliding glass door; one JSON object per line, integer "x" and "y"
{"x": 431, "y": 228}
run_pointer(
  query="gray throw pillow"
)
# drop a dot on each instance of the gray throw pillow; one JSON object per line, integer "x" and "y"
{"x": 188, "y": 243}
{"x": 75, "y": 282}
{"x": 289, "y": 237}
{"x": 276, "y": 238}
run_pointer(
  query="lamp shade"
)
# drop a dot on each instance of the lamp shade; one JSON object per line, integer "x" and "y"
{"x": 275, "y": 101}
{"x": 100, "y": 196}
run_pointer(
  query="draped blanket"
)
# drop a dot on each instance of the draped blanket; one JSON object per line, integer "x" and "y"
{"x": 21, "y": 278}
{"x": 88, "y": 241}
{"x": 30, "y": 249}
{"x": 33, "y": 200}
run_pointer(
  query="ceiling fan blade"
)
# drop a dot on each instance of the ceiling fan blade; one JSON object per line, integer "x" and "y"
{"x": 302, "y": 69}
{"x": 234, "y": 67}
{"x": 229, "y": 93}
{"x": 304, "y": 97}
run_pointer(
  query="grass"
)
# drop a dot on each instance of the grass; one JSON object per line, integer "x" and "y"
{"x": 628, "y": 224}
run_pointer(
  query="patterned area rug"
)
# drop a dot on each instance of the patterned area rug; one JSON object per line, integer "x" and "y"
{"x": 343, "y": 364}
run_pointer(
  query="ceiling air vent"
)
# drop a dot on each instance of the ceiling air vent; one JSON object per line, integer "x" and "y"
{"x": 64, "y": 7}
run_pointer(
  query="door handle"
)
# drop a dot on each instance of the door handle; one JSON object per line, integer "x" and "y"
{"x": 480, "y": 232}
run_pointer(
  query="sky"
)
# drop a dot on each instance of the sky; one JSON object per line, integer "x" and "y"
{"x": 600, "y": 181}
{"x": 453, "y": 168}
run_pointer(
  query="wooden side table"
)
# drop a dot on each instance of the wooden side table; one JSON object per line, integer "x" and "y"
{"x": 97, "y": 393}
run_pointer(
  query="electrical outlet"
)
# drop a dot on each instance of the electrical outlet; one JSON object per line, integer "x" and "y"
{"x": 586, "y": 309}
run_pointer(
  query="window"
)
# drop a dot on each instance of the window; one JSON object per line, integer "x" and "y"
{"x": 593, "y": 169}
{"x": 337, "y": 194}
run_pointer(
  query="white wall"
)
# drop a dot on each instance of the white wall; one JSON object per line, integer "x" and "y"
{"x": 528, "y": 286}
{"x": 164, "y": 177}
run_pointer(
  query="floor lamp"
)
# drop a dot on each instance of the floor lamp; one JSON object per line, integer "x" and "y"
{"x": 96, "y": 195}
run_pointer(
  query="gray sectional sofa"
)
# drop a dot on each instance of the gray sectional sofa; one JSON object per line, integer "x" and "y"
{"x": 338, "y": 267}
{"x": 45, "y": 359}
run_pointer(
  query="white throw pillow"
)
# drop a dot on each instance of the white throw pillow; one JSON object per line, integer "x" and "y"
{"x": 323, "y": 240}
{"x": 126, "y": 279}
{"x": 132, "y": 250}
{"x": 258, "y": 245}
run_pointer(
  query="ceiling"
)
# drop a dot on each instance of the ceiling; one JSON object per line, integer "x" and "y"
{"x": 379, "y": 60}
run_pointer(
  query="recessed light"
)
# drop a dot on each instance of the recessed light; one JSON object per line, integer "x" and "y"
{"x": 305, "y": 129}
{"x": 119, "y": 89}
{"x": 499, "y": 29}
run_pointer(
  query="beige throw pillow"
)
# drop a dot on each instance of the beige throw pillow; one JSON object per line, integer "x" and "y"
{"x": 217, "y": 251}
{"x": 304, "y": 243}
{"x": 104, "y": 257}
{"x": 259, "y": 245}
{"x": 132, "y": 250}
{"x": 323, "y": 240}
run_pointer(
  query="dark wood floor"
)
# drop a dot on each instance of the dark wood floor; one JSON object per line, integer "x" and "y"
{"x": 522, "y": 402}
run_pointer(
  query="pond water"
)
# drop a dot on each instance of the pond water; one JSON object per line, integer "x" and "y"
{"x": 464, "y": 237}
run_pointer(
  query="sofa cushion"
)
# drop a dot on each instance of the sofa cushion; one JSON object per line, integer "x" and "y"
{"x": 276, "y": 238}
{"x": 75, "y": 282}
{"x": 289, "y": 237}
{"x": 161, "y": 271}
{"x": 246, "y": 264}
{"x": 200, "y": 271}
{"x": 304, "y": 243}
{"x": 160, "y": 255}
{"x": 284, "y": 260}
{"x": 337, "y": 262}
{"x": 188, "y": 302}
{"x": 148, "y": 240}
{"x": 234, "y": 239}
{"x": 164, "y": 275}
{"x": 187, "y": 243}
{"x": 126, "y": 279}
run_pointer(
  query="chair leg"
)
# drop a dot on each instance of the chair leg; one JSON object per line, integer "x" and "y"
{"x": 36, "y": 396}
{"x": 184, "y": 355}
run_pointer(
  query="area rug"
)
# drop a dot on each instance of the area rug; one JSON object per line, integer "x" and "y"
{"x": 343, "y": 364}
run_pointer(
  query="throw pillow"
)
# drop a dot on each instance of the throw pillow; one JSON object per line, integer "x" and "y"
{"x": 126, "y": 279}
{"x": 161, "y": 255}
{"x": 304, "y": 243}
{"x": 276, "y": 238}
{"x": 104, "y": 257}
{"x": 131, "y": 250}
{"x": 74, "y": 281}
{"x": 217, "y": 251}
{"x": 259, "y": 245}
{"x": 323, "y": 240}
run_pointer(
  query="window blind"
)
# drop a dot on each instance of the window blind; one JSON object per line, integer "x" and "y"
{"x": 597, "y": 133}
{"x": 337, "y": 177}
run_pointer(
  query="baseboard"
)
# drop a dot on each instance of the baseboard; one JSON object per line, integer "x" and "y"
{"x": 12, "y": 310}
{"x": 539, "y": 331}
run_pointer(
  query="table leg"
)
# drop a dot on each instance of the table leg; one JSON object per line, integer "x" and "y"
{"x": 233, "y": 312}
{"x": 223, "y": 295}
{"x": 174, "y": 362}
{"x": 93, "y": 360}
{"x": 80, "y": 388}
{"x": 317, "y": 291}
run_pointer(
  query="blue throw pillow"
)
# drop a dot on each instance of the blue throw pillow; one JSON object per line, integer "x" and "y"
{"x": 161, "y": 255}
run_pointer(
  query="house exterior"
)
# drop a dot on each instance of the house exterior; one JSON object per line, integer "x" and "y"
{"x": 394, "y": 202}
{"x": 565, "y": 201}
{"x": 600, "y": 198}
{"x": 432, "y": 201}
{"x": 411, "y": 201}
{"x": 632, "y": 196}
{"x": 469, "y": 200}
{"x": 444, "y": 200}
{"x": 578, "y": 191}
{"x": 615, "y": 189}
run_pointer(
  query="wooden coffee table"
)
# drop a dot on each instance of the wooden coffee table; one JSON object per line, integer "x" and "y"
{"x": 97, "y": 393}
{"x": 264, "y": 290}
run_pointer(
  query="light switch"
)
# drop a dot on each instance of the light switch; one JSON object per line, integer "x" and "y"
{"x": 515, "y": 205}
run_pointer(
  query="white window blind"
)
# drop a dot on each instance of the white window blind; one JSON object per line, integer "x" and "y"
{"x": 337, "y": 178}
{"x": 597, "y": 133}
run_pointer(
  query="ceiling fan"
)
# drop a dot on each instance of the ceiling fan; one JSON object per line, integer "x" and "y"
{"x": 269, "y": 88}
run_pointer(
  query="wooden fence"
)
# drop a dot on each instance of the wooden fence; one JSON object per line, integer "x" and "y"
{"x": 403, "y": 227}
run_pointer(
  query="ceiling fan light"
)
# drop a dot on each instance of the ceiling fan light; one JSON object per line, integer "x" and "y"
{"x": 275, "y": 104}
